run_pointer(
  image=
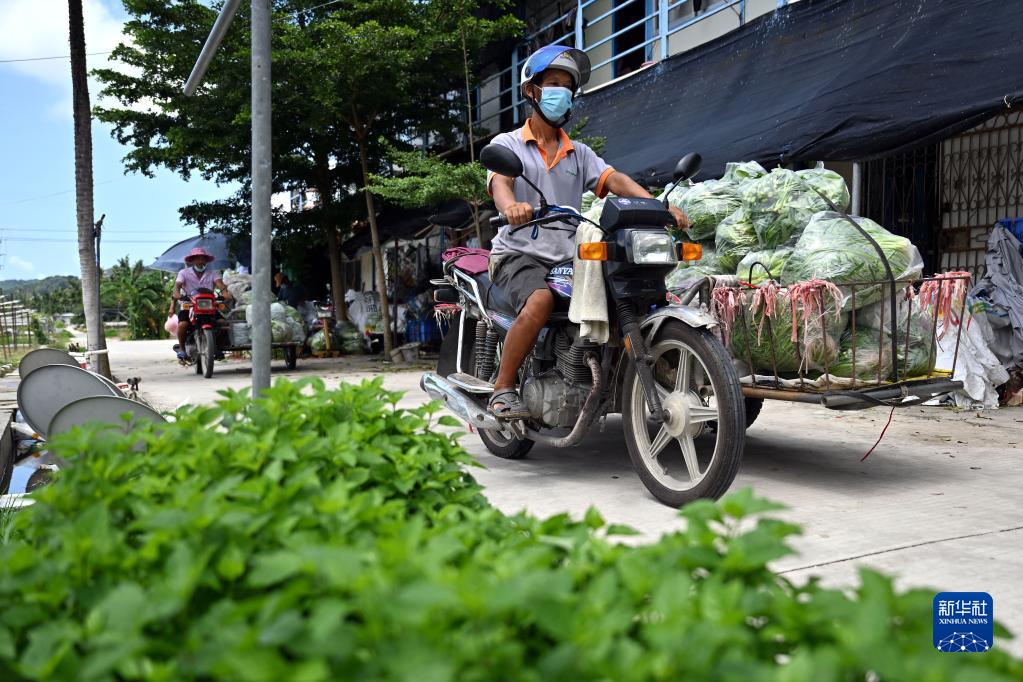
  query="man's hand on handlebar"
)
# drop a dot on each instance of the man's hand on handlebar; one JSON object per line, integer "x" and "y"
{"x": 518, "y": 213}
{"x": 681, "y": 220}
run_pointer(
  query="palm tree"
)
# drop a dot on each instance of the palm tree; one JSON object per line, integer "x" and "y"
{"x": 83, "y": 190}
{"x": 141, "y": 292}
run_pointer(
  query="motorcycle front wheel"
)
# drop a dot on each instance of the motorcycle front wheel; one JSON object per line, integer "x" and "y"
{"x": 684, "y": 458}
{"x": 207, "y": 350}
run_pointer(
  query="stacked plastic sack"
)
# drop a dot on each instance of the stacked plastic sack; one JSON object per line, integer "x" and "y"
{"x": 776, "y": 229}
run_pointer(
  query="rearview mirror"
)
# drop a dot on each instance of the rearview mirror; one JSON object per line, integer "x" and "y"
{"x": 501, "y": 160}
{"x": 687, "y": 167}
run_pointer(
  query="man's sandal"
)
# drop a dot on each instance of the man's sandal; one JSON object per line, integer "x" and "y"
{"x": 506, "y": 404}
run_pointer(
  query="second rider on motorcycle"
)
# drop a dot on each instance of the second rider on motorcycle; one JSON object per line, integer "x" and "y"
{"x": 563, "y": 170}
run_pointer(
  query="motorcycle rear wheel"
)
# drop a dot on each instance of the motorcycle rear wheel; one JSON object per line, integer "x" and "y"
{"x": 685, "y": 459}
{"x": 497, "y": 443}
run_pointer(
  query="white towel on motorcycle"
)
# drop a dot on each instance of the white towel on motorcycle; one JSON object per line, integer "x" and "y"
{"x": 588, "y": 308}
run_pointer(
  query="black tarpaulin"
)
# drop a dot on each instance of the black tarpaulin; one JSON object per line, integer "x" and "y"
{"x": 398, "y": 223}
{"x": 837, "y": 80}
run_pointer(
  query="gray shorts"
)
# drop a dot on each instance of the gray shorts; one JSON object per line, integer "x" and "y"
{"x": 518, "y": 276}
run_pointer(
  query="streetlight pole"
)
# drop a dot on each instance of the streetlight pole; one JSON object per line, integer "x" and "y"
{"x": 261, "y": 175}
{"x": 261, "y": 171}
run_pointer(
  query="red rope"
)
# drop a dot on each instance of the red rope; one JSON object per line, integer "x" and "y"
{"x": 878, "y": 442}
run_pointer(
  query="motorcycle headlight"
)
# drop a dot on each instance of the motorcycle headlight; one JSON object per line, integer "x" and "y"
{"x": 653, "y": 248}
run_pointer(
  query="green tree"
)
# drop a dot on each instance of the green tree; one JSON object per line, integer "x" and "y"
{"x": 427, "y": 180}
{"x": 36, "y": 325}
{"x": 394, "y": 66}
{"x": 209, "y": 134}
{"x": 142, "y": 293}
{"x": 344, "y": 74}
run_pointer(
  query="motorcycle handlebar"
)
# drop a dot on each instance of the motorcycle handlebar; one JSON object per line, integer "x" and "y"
{"x": 500, "y": 220}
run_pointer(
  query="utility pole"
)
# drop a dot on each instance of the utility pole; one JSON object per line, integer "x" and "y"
{"x": 261, "y": 170}
{"x": 97, "y": 233}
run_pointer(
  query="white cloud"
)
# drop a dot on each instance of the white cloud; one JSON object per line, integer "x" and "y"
{"x": 20, "y": 264}
{"x": 39, "y": 28}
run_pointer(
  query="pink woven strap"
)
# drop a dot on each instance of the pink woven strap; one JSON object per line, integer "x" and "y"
{"x": 724, "y": 302}
{"x": 944, "y": 293}
{"x": 809, "y": 299}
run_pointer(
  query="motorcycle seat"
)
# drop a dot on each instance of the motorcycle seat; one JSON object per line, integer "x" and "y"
{"x": 493, "y": 297}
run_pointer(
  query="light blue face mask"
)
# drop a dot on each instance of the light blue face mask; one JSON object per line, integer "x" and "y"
{"x": 199, "y": 267}
{"x": 555, "y": 102}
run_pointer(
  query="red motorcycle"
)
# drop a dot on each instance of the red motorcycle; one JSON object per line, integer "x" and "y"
{"x": 203, "y": 330}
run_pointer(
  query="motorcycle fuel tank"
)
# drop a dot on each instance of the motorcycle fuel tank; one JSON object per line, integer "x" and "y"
{"x": 559, "y": 280}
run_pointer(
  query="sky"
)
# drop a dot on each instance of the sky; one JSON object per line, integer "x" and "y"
{"x": 37, "y": 181}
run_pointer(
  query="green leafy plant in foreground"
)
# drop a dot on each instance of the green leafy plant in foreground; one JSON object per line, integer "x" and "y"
{"x": 320, "y": 535}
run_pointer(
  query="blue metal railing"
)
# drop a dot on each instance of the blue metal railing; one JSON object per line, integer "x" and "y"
{"x": 658, "y": 30}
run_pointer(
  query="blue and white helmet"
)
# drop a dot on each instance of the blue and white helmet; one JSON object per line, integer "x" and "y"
{"x": 569, "y": 59}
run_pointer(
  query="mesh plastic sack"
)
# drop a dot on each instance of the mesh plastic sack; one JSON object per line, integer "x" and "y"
{"x": 740, "y": 171}
{"x": 280, "y": 331}
{"x": 595, "y": 208}
{"x": 779, "y": 205}
{"x": 734, "y": 238}
{"x": 827, "y": 182}
{"x": 317, "y": 342}
{"x": 587, "y": 201}
{"x": 348, "y": 337}
{"x": 768, "y": 342}
{"x": 752, "y": 266}
{"x": 706, "y": 204}
{"x": 873, "y": 350}
{"x": 686, "y": 275}
{"x": 873, "y": 355}
{"x": 832, "y": 249}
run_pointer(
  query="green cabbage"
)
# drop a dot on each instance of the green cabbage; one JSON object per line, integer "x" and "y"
{"x": 831, "y": 248}
{"x": 774, "y": 260}
{"x": 873, "y": 349}
{"x": 734, "y": 238}
{"x": 280, "y": 331}
{"x": 829, "y": 183}
{"x": 779, "y": 206}
{"x": 595, "y": 208}
{"x": 706, "y": 204}
{"x": 873, "y": 353}
{"x": 587, "y": 201}
{"x": 742, "y": 171}
{"x": 820, "y": 347}
{"x": 687, "y": 274}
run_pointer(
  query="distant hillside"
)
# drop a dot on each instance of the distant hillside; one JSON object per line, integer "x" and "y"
{"x": 36, "y": 286}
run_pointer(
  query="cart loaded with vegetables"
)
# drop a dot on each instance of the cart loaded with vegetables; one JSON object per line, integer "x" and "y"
{"x": 815, "y": 305}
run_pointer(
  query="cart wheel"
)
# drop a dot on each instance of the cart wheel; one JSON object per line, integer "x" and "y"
{"x": 753, "y": 407}
{"x": 290, "y": 357}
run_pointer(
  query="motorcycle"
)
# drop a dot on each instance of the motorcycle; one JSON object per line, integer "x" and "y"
{"x": 203, "y": 328}
{"x": 663, "y": 369}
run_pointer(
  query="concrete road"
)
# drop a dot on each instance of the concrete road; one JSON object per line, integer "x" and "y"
{"x": 937, "y": 504}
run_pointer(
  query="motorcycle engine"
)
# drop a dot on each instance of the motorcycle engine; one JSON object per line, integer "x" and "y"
{"x": 555, "y": 398}
{"x": 553, "y": 401}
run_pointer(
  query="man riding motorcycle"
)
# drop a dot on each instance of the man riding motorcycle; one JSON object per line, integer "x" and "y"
{"x": 194, "y": 276}
{"x": 563, "y": 170}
